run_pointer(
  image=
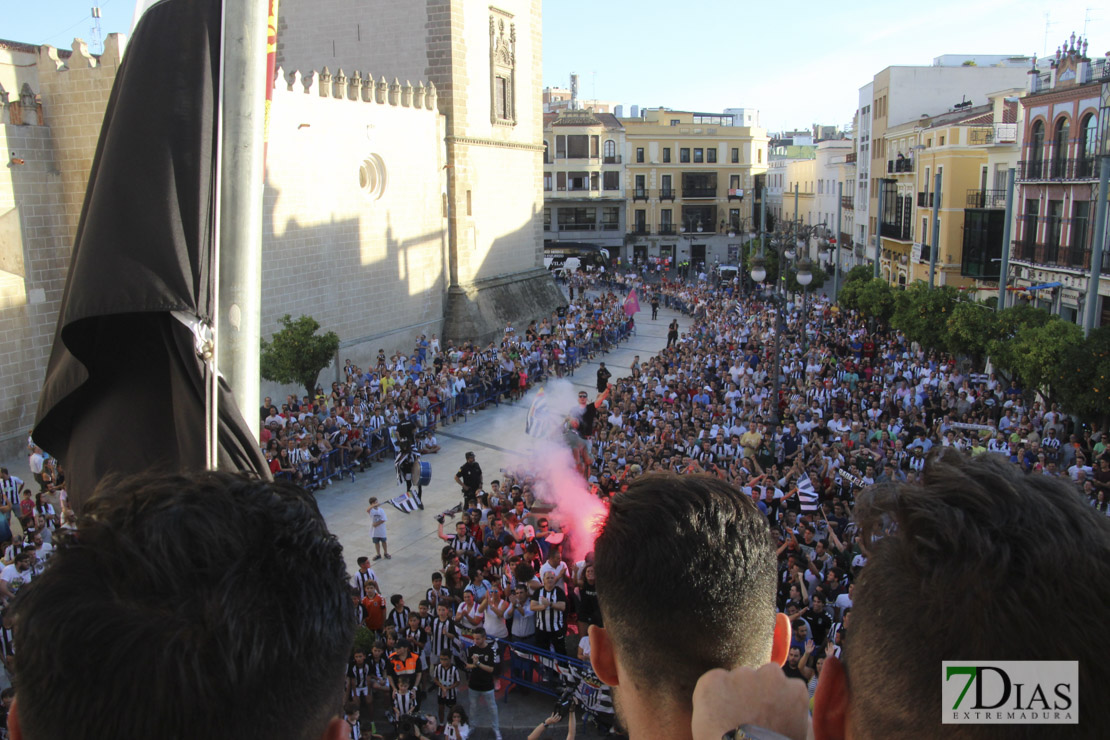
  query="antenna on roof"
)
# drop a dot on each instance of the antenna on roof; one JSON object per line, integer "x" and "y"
{"x": 97, "y": 42}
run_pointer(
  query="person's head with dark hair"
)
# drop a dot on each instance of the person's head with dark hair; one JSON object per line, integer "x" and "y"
{"x": 181, "y": 600}
{"x": 978, "y": 562}
{"x": 677, "y": 557}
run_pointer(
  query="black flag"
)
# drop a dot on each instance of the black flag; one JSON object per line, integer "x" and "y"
{"x": 125, "y": 386}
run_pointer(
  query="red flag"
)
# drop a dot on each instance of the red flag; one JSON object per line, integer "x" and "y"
{"x": 631, "y": 304}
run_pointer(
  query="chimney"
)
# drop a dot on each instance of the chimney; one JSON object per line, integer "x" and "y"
{"x": 635, "y": 111}
{"x": 618, "y": 111}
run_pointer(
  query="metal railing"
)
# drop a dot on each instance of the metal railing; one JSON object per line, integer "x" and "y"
{"x": 900, "y": 232}
{"x": 667, "y": 230}
{"x": 847, "y": 203}
{"x": 1058, "y": 168}
{"x": 576, "y": 227}
{"x": 641, "y": 229}
{"x": 640, "y": 194}
{"x": 986, "y": 199}
{"x": 905, "y": 164}
{"x": 667, "y": 194}
{"x": 611, "y": 159}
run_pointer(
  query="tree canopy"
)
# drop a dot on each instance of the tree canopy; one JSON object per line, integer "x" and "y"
{"x": 296, "y": 354}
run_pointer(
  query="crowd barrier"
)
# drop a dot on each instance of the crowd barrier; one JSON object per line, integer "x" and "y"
{"x": 548, "y": 672}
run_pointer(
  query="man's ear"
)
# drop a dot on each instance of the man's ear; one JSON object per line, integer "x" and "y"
{"x": 830, "y": 703}
{"x": 336, "y": 730}
{"x": 601, "y": 655}
{"x": 15, "y": 732}
{"x": 780, "y": 643}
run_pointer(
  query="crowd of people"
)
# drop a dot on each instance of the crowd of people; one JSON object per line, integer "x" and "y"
{"x": 855, "y": 405}
{"x": 344, "y": 430}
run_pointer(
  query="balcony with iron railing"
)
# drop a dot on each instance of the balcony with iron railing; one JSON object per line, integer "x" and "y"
{"x": 901, "y": 165}
{"x": 667, "y": 230}
{"x": 1057, "y": 168}
{"x": 667, "y": 194}
{"x": 640, "y": 194}
{"x": 641, "y": 229}
{"x": 847, "y": 203}
{"x": 986, "y": 199}
{"x": 901, "y": 231}
{"x": 1073, "y": 256}
{"x": 699, "y": 192}
{"x": 611, "y": 159}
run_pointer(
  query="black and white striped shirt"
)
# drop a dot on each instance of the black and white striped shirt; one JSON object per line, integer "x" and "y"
{"x": 449, "y": 677}
{"x": 404, "y": 703}
{"x": 9, "y": 492}
{"x": 550, "y": 619}
{"x": 444, "y": 636}
{"x": 358, "y": 674}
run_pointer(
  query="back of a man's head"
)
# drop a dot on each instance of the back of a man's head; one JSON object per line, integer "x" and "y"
{"x": 979, "y": 562}
{"x": 686, "y": 580}
{"x": 206, "y": 606}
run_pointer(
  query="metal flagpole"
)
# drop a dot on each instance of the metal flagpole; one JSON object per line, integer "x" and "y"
{"x": 936, "y": 234}
{"x": 1004, "y": 268}
{"x": 836, "y": 244}
{"x": 1098, "y": 248}
{"x": 238, "y": 259}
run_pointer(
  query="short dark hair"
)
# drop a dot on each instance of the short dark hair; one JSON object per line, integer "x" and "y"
{"x": 973, "y": 563}
{"x": 712, "y": 547}
{"x": 183, "y": 591}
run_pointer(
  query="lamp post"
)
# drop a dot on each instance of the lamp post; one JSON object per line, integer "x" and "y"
{"x": 786, "y": 242}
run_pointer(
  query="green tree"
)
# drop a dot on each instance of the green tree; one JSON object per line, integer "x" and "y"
{"x": 970, "y": 329}
{"x": 921, "y": 313}
{"x": 873, "y": 298}
{"x": 859, "y": 273}
{"x": 1038, "y": 353}
{"x": 1082, "y": 378}
{"x": 1008, "y": 323}
{"x": 296, "y": 354}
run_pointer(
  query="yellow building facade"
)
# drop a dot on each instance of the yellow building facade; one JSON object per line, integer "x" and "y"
{"x": 950, "y": 145}
{"x": 690, "y": 180}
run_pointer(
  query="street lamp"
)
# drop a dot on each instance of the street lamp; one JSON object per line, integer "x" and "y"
{"x": 789, "y": 240}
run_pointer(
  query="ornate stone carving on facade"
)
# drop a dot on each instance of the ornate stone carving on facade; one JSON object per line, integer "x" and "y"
{"x": 395, "y": 92}
{"x": 367, "y": 93}
{"x": 502, "y": 72}
{"x": 324, "y": 83}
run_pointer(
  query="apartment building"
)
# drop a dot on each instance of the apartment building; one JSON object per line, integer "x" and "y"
{"x": 900, "y": 95}
{"x": 1057, "y": 180}
{"x": 690, "y": 182}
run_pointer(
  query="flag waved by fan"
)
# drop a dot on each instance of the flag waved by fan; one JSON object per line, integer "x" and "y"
{"x": 631, "y": 304}
{"x": 807, "y": 494}
{"x": 539, "y": 422}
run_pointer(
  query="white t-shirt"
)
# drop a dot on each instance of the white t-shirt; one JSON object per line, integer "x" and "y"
{"x": 378, "y": 519}
{"x": 15, "y": 577}
{"x": 560, "y": 572}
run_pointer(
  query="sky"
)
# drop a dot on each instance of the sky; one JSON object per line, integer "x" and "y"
{"x": 798, "y": 64}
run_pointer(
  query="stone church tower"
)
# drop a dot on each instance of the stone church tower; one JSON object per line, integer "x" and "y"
{"x": 485, "y": 62}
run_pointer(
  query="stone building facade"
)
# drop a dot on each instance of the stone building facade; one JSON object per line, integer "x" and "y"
{"x": 404, "y": 180}
{"x": 51, "y": 122}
